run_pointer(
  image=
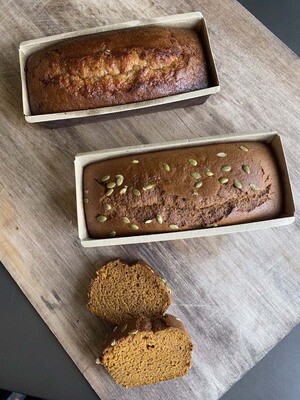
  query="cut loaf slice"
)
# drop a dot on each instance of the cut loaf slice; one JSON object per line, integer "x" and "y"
{"x": 143, "y": 351}
{"x": 121, "y": 291}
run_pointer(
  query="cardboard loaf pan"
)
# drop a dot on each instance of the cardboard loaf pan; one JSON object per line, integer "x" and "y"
{"x": 192, "y": 20}
{"x": 272, "y": 138}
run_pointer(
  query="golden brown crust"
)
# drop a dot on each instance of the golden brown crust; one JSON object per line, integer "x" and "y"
{"x": 144, "y": 324}
{"x": 117, "y": 67}
{"x": 159, "y": 187}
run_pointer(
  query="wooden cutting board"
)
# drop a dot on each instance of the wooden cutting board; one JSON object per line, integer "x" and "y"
{"x": 238, "y": 294}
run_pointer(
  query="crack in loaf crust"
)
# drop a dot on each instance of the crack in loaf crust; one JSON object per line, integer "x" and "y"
{"x": 163, "y": 191}
{"x": 115, "y": 67}
{"x": 143, "y": 351}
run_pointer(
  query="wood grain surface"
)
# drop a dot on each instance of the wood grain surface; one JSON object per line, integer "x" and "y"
{"x": 238, "y": 294}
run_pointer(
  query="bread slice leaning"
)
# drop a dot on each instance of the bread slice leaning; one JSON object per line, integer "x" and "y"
{"x": 143, "y": 351}
{"x": 121, "y": 291}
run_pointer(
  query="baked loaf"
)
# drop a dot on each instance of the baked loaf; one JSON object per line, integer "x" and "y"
{"x": 117, "y": 67}
{"x": 187, "y": 188}
{"x": 144, "y": 351}
{"x": 121, "y": 291}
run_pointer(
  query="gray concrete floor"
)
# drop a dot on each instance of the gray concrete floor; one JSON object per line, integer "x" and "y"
{"x": 33, "y": 362}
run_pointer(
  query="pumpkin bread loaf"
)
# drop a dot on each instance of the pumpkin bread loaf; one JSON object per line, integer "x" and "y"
{"x": 116, "y": 67}
{"x": 180, "y": 189}
{"x": 143, "y": 351}
{"x": 121, "y": 291}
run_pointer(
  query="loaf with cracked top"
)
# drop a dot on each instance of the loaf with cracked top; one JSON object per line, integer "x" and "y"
{"x": 116, "y": 67}
{"x": 180, "y": 189}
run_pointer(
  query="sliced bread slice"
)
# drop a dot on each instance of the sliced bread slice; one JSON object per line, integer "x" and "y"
{"x": 121, "y": 291}
{"x": 143, "y": 351}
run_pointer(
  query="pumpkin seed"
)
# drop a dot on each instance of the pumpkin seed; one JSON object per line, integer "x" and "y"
{"x": 85, "y": 200}
{"x": 166, "y": 167}
{"x": 237, "y": 184}
{"x": 113, "y": 342}
{"x": 226, "y": 168}
{"x": 119, "y": 179}
{"x": 174, "y": 227}
{"x": 109, "y": 192}
{"x": 196, "y": 175}
{"x": 244, "y": 148}
{"x": 136, "y": 192}
{"x": 149, "y": 186}
{"x": 133, "y": 332}
{"x": 135, "y": 161}
{"x": 112, "y": 234}
{"x": 246, "y": 168}
{"x": 101, "y": 218}
{"x": 148, "y": 221}
{"x": 159, "y": 219}
{"x": 221, "y": 154}
{"x": 253, "y": 186}
{"x": 223, "y": 180}
{"x": 198, "y": 184}
{"x": 123, "y": 190}
{"x": 111, "y": 185}
{"x": 107, "y": 207}
{"x": 209, "y": 172}
{"x": 124, "y": 327}
{"x": 177, "y": 319}
{"x": 126, "y": 220}
{"x": 134, "y": 227}
{"x": 163, "y": 280}
{"x": 193, "y": 162}
{"x": 105, "y": 178}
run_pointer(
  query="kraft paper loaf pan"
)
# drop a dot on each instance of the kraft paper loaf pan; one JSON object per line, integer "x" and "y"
{"x": 192, "y": 20}
{"x": 272, "y": 138}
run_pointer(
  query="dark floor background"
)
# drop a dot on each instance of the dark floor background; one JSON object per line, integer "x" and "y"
{"x": 282, "y": 17}
{"x": 31, "y": 359}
